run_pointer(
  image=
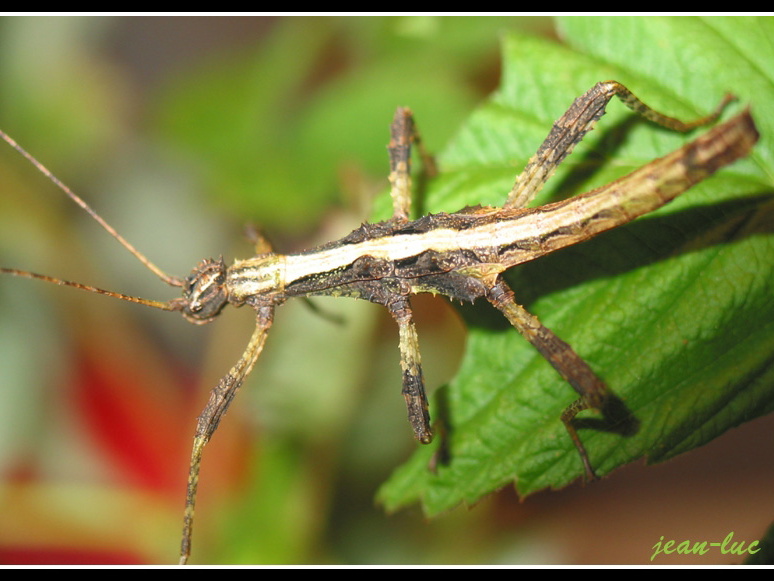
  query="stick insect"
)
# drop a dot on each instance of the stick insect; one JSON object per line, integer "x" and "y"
{"x": 461, "y": 255}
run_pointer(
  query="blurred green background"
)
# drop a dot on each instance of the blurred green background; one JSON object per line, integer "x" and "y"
{"x": 179, "y": 131}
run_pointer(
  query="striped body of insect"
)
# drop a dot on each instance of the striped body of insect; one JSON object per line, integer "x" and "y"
{"x": 461, "y": 255}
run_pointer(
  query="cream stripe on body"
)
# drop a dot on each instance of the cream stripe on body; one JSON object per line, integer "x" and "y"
{"x": 525, "y": 225}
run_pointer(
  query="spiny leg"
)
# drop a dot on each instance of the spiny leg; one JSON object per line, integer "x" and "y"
{"x": 220, "y": 398}
{"x": 403, "y": 133}
{"x": 593, "y": 393}
{"x": 410, "y": 363}
{"x": 579, "y": 119}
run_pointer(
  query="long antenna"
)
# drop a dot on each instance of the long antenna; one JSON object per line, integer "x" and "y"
{"x": 170, "y": 280}
{"x": 173, "y": 305}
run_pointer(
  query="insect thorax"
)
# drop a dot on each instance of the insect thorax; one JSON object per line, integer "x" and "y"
{"x": 257, "y": 281}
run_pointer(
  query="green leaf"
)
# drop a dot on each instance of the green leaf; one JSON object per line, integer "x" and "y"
{"x": 673, "y": 311}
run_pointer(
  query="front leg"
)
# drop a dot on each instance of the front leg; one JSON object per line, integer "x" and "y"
{"x": 593, "y": 392}
{"x": 220, "y": 398}
{"x": 410, "y": 363}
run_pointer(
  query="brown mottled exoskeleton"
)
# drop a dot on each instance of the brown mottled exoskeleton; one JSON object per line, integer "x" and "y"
{"x": 461, "y": 255}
